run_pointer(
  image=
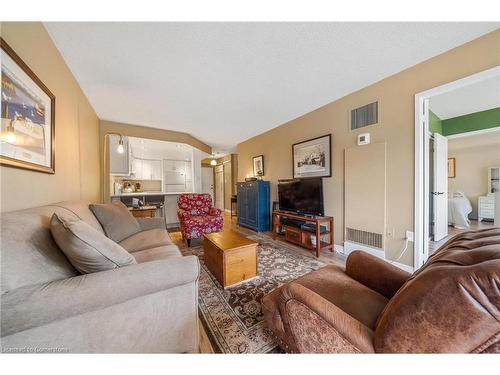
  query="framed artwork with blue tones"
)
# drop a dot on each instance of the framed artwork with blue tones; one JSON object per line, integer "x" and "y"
{"x": 27, "y": 133}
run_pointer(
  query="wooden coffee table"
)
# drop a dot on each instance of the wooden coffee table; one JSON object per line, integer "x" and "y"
{"x": 230, "y": 257}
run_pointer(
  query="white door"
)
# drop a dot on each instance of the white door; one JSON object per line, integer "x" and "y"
{"x": 219, "y": 187}
{"x": 440, "y": 187}
{"x": 207, "y": 181}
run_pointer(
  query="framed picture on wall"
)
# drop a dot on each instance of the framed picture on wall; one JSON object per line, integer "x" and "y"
{"x": 313, "y": 158}
{"x": 451, "y": 168}
{"x": 27, "y": 116}
{"x": 258, "y": 165}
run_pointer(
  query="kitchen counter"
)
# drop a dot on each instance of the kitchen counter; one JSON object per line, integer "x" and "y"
{"x": 142, "y": 193}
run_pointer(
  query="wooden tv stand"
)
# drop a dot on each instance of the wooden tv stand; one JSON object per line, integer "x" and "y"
{"x": 302, "y": 237}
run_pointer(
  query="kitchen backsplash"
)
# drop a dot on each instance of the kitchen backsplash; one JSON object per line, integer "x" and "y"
{"x": 146, "y": 185}
{"x": 151, "y": 185}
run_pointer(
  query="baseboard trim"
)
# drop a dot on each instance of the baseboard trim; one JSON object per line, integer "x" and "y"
{"x": 349, "y": 247}
{"x": 338, "y": 249}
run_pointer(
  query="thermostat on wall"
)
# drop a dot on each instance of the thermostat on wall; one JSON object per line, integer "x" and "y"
{"x": 363, "y": 139}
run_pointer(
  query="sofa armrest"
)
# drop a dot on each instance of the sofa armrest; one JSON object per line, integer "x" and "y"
{"x": 148, "y": 223}
{"x": 182, "y": 214}
{"x": 36, "y": 305}
{"x": 334, "y": 330}
{"x": 215, "y": 211}
{"x": 375, "y": 273}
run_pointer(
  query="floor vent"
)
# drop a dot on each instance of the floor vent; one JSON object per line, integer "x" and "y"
{"x": 364, "y": 116}
{"x": 365, "y": 238}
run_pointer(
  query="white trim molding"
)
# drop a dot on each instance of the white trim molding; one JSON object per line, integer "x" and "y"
{"x": 421, "y": 224}
{"x": 475, "y": 132}
{"x": 339, "y": 249}
{"x": 349, "y": 247}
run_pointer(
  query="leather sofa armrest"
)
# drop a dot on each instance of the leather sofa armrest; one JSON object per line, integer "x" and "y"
{"x": 37, "y": 305}
{"x": 375, "y": 273}
{"x": 350, "y": 330}
{"x": 148, "y": 223}
{"x": 215, "y": 211}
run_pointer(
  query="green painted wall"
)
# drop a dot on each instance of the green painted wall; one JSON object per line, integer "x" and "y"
{"x": 471, "y": 122}
{"x": 435, "y": 123}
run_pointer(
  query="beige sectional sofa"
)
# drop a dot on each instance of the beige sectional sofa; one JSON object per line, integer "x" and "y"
{"x": 48, "y": 306}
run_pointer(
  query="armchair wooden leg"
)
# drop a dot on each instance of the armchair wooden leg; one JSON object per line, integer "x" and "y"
{"x": 189, "y": 243}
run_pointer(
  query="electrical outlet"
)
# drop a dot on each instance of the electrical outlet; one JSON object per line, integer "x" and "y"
{"x": 409, "y": 236}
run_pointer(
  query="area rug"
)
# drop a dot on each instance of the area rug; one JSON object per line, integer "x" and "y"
{"x": 233, "y": 317}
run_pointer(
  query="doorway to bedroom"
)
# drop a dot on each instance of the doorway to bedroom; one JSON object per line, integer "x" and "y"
{"x": 457, "y": 160}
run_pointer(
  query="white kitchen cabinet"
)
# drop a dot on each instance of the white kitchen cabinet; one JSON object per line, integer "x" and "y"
{"x": 170, "y": 209}
{"x": 119, "y": 164}
{"x": 146, "y": 169}
{"x": 156, "y": 170}
{"x": 177, "y": 176}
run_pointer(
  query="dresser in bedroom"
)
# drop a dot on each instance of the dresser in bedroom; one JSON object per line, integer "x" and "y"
{"x": 486, "y": 204}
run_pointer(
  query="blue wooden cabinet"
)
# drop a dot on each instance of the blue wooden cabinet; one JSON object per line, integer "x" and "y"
{"x": 253, "y": 205}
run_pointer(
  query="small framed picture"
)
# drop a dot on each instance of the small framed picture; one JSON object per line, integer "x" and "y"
{"x": 312, "y": 158}
{"x": 451, "y": 168}
{"x": 27, "y": 117}
{"x": 258, "y": 166}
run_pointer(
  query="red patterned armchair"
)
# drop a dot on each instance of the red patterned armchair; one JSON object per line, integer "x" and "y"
{"x": 197, "y": 216}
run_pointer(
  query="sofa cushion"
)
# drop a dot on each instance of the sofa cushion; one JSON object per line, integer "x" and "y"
{"x": 334, "y": 285}
{"x": 146, "y": 240}
{"x": 88, "y": 250}
{"x": 116, "y": 220}
{"x": 29, "y": 254}
{"x": 451, "y": 304}
{"x": 157, "y": 253}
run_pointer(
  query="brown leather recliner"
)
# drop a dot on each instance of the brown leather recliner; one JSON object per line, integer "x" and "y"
{"x": 450, "y": 305}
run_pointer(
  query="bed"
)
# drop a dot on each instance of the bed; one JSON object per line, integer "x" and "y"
{"x": 459, "y": 208}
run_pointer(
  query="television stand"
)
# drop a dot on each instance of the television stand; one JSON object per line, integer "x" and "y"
{"x": 315, "y": 234}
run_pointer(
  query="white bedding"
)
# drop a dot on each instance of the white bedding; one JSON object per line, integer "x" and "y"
{"x": 459, "y": 208}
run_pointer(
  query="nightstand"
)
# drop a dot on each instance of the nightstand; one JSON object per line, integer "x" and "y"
{"x": 486, "y": 207}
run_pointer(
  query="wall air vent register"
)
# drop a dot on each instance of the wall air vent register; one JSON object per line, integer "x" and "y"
{"x": 364, "y": 116}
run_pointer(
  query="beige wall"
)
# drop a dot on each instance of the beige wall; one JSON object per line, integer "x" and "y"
{"x": 396, "y": 128}
{"x": 473, "y": 155}
{"x": 131, "y": 130}
{"x": 77, "y": 129}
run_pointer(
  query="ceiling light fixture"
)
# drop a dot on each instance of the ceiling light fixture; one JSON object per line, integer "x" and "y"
{"x": 213, "y": 162}
{"x": 120, "y": 148}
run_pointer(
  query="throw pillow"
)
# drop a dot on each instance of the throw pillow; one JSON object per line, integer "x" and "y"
{"x": 116, "y": 220}
{"x": 87, "y": 249}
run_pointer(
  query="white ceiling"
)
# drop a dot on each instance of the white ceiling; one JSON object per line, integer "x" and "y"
{"x": 226, "y": 82}
{"x": 154, "y": 149}
{"x": 470, "y": 99}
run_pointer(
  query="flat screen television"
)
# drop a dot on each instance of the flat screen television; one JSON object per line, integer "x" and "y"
{"x": 301, "y": 195}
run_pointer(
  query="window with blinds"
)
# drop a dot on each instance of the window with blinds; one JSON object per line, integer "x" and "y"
{"x": 364, "y": 116}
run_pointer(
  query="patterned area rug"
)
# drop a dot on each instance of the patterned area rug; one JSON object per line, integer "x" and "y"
{"x": 233, "y": 318}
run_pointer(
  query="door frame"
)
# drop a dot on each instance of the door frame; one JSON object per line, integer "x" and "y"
{"x": 421, "y": 219}
{"x": 213, "y": 180}
{"x": 440, "y": 201}
{"x": 215, "y": 185}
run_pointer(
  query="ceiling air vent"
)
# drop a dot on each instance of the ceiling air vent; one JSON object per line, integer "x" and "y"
{"x": 364, "y": 116}
{"x": 365, "y": 238}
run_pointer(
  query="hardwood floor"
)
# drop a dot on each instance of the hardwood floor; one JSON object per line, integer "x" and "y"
{"x": 230, "y": 223}
{"x": 452, "y": 231}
